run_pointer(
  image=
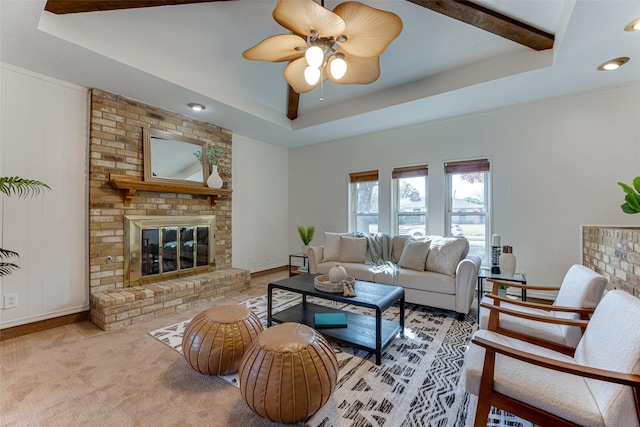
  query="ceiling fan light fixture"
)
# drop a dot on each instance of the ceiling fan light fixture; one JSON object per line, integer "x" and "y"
{"x": 196, "y": 107}
{"x": 314, "y": 56}
{"x": 312, "y": 75}
{"x": 338, "y": 66}
{"x": 633, "y": 25}
{"x": 613, "y": 64}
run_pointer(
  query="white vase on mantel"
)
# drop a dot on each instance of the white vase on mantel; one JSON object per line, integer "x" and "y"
{"x": 214, "y": 180}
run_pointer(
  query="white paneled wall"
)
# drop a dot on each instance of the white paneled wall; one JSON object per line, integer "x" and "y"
{"x": 555, "y": 165}
{"x": 260, "y": 223}
{"x": 43, "y": 136}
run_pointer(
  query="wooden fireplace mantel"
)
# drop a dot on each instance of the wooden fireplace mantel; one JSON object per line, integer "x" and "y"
{"x": 131, "y": 185}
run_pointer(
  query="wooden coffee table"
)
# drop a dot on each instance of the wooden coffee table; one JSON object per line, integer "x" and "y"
{"x": 372, "y": 333}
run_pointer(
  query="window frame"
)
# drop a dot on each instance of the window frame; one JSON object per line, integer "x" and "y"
{"x": 470, "y": 166}
{"x": 398, "y": 173}
{"x": 356, "y": 178}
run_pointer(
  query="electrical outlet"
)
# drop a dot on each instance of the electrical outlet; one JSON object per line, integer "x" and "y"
{"x": 10, "y": 301}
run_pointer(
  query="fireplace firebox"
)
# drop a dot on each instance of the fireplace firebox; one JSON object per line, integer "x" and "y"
{"x": 164, "y": 247}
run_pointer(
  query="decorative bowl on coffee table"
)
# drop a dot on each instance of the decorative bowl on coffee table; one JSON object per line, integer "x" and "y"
{"x": 322, "y": 283}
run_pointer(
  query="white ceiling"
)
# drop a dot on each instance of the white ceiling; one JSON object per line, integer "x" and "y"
{"x": 438, "y": 67}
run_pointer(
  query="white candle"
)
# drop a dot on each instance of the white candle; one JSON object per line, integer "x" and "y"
{"x": 495, "y": 240}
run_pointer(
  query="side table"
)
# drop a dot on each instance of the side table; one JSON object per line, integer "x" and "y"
{"x": 487, "y": 274}
{"x": 305, "y": 261}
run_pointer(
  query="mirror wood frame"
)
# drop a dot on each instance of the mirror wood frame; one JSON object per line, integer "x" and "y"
{"x": 148, "y": 134}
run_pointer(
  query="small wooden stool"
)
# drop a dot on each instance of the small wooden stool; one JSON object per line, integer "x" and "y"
{"x": 216, "y": 339}
{"x": 288, "y": 373}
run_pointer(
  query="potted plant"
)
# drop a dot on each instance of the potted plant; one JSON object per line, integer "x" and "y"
{"x": 632, "y": 196}
{"x": 20, "y": 187}
{"x": 306, "y": 234}
{"x": 214, "y": 155}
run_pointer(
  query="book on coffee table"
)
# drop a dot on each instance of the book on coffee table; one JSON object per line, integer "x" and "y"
{"x": 330, "y": 320}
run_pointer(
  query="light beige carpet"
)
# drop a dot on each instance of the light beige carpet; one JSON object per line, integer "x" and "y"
{"x": 78, "y": 375}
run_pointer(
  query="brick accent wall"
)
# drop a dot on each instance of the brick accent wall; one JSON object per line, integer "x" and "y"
{"x": 116, "y": 147}
{"x": 614, "y": 252}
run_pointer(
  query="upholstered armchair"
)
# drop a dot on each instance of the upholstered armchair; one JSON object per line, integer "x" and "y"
{"x": 577, "y": 297}
{"x": 598, "y": 385}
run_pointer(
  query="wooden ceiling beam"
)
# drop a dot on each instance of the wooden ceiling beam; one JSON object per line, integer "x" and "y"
{"x": 61, "y": 7}
{"x": 293, "y": 101}
{"x": 492, "y": 21}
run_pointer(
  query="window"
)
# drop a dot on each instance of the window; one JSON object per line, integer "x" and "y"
{"x": 364, "y": 201}
{"x": 410, "y": 200}
{"x": 468, "y": 203}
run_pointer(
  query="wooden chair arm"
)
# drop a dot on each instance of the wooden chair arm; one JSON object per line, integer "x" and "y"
{"x": 547, "y": 307}
{"x": 536, "y": 317}
{"x": 520, "y": 286}
{"x": 557, "y": 365}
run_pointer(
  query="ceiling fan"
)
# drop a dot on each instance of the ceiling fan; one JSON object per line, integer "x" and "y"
{"x": 343, "y": 46}
{"x": 462, "y": 10}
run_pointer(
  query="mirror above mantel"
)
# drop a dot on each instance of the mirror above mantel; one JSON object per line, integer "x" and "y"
{"x": 170, "y": 159}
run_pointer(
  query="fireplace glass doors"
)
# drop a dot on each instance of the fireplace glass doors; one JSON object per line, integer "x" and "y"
{"x": 182, "y": 248}
{"x": 158, "y": 245}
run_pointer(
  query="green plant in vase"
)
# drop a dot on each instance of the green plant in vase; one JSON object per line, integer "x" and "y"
{"x": 632, "y": 196}
{"x": 306, "y": 234}
{"x": 20, "y": 187}
{"x": 214, "y": 154}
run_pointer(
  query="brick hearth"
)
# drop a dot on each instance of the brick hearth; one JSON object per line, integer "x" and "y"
{"x": 122, "y": 307}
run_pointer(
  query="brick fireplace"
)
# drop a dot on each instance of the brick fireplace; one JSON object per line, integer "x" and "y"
{"x": 116, "y": 147}
{"x": 614, "y": 252}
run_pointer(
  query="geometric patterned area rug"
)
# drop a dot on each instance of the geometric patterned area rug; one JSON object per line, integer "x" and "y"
{"x": 418, "y": 383}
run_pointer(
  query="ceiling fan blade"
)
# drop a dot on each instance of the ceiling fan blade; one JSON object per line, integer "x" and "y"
{"x": 61, "y": 7}
{"x": 302, "y": 16}
{"x": 359, "y": 70}
{"x": 277, "y": 49}
{"x": 369, "y": 31}
{"x": 294, "y": 75}
{"x": 492, "y": 21}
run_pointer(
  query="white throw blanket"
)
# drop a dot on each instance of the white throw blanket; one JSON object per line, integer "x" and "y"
{"x": 379, "y": 253}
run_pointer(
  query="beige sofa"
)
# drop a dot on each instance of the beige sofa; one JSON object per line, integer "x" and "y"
{"x": 434, "y": 271}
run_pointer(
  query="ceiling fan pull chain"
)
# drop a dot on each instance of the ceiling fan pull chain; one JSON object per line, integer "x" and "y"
{"x": 322, "y": 84}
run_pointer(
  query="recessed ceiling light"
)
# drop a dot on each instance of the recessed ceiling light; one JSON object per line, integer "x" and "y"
{"x": 196, "y": 107}
{"x": 613, "y": 64}
{"x": 633, "y": 25}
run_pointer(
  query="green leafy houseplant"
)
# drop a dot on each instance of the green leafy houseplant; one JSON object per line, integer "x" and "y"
{"x": 214, "y": 154}
{"x": 20, "y": 187}
{"x": 306, "y": 234}
{"x": 632, "y": 196}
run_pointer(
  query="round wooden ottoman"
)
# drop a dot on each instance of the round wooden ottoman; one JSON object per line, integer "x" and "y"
{"x": 216, "y": 339}
{"x": 288, "y": 373}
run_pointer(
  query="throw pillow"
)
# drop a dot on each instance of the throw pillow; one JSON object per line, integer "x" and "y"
{"x": 446, "y": 253}
{"x": 352, "y": 249}
{"x": 397, "y": 245}
{"x": 414, "y": 255}
{"x": 332, "y": 246}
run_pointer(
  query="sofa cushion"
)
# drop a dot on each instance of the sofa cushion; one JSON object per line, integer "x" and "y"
{"x": 397, "y": 245}
{"x": 352, "y": 249}
{"x": 414, "y": 255}
{"x": 426, "y": 281}
{"x": 445, "y": 253}
{"x": 332, "y": 246}
{"x": 357, "y": 270}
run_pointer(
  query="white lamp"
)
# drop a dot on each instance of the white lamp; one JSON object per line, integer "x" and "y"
{"x": 338, "y": 66}
{"x": 314, "y": 56}
{"x": 312, "y": 75}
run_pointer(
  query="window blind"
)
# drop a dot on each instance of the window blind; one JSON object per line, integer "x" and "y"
{"x": 366, "y": 176}
{"x": 467, "y": 166}
{"x": 410, "y": 172}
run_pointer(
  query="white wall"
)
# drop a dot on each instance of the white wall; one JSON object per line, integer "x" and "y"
{"x": 43, "y": 136}
{"x": 555, "y": 165}
{"x": 260, "y": 223}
